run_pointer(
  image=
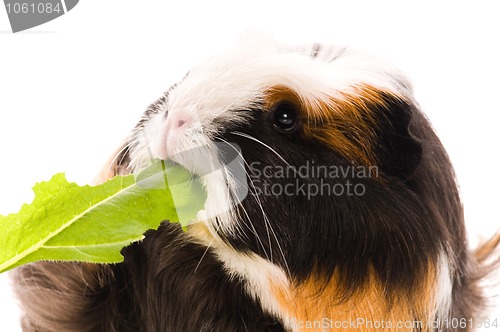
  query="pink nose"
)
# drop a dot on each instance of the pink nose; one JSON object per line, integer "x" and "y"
{"x": 178, "y": 121}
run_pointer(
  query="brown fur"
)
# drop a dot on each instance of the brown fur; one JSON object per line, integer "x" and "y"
{"x": 315, "y": 301}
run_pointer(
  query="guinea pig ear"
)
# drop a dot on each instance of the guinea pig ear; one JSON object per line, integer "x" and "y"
{"x": 398, "y": 152}
{"x": 117, "y": 164}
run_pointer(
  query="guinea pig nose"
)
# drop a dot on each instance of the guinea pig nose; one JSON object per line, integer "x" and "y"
{"x": 178, "y": 121}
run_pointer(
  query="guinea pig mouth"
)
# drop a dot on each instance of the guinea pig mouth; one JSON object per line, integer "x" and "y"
{"x": 220, "y": 167}
{"x": 218, "y": 164}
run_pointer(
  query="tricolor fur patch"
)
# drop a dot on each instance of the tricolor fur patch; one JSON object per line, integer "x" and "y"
{"x": 352, "y": 212}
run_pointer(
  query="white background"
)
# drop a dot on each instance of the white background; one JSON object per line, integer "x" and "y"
{"x": 71, "y": 89}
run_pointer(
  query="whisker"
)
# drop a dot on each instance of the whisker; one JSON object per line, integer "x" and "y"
{"x": 126, "y": 147}
{"x": 267, "y": 222}
{"x": 279, "y": 246}
{"x": 203, "y": 256}
{"x": 252, "y": 229}
{"x": 262, "y": 143}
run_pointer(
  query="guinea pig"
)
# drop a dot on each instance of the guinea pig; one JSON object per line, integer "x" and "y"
{"x": 347, "y": 216}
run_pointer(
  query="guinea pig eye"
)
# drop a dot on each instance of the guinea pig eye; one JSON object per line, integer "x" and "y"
{"x": 285, "y": 117}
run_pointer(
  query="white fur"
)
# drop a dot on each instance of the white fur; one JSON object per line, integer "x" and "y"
{"x": 443, "y": 291}
{"x": 257, "y": 272}
{"x": 237, "y": 79}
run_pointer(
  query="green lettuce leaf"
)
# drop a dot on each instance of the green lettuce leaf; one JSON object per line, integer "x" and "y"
{"x": 67, "y": 222}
